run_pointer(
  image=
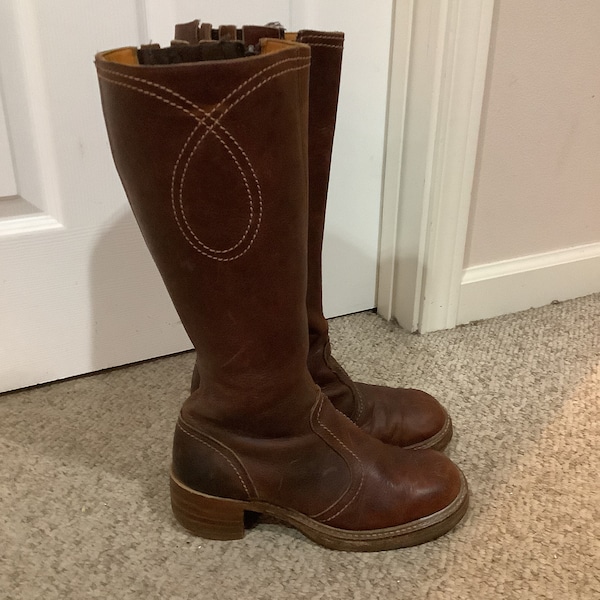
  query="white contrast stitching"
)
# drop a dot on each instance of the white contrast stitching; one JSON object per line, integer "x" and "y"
{"x": 181, "y": 208}
{"x": 201, "y": 120}
{"x": 187, "y": 100}
{"x": 209, "y": 129}
{"x": 244, "y": 178}
{"x": 360, "y": 401}
{"x": 362, "y": 477}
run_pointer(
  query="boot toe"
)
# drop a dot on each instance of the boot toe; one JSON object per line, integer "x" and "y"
{"x": 408, "y": 418}
{"x": 415, "y": 497}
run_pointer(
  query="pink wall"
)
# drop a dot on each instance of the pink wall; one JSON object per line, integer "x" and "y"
{"x": 537, "y": 185}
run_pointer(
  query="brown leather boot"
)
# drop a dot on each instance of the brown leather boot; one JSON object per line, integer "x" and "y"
{"x": 404, "y": 417}
{"x": 212, "y": 153}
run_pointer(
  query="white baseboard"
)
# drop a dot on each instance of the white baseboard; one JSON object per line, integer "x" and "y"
{"x": 513, "y": 285}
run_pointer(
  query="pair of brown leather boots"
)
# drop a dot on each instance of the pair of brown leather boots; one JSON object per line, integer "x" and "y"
{"x": 223, "y": 145}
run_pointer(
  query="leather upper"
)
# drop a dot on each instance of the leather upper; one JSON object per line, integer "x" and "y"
{"x": 213, "y": 156}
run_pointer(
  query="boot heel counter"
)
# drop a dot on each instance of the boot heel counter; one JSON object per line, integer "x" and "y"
{"x": 207, "y": 466}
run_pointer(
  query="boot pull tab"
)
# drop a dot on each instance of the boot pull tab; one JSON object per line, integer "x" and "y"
{"x": 187, "y": 33}
{"x": 251, "y": 34}
{"x": 205, "y": 32}
{"x": 192, "y": 33}
{"x": 227, "y": 33}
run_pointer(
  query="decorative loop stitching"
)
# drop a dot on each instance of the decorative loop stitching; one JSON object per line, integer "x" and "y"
{"x": 207, "y": 124}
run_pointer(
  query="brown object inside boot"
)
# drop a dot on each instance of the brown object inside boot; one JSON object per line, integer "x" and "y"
{"x": 153, "y": 54}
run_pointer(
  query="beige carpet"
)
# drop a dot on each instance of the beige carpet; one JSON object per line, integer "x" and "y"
{"x": 84, "y": 507}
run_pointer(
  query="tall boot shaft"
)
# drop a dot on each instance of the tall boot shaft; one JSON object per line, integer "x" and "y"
{"x": 325, "y": 73}
{"x": 324, "y": 85}
{"x": 404, "y": 417}
{"x": 213, "y": 157}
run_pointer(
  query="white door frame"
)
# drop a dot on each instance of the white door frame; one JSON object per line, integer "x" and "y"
{"x": 439, "y": 66}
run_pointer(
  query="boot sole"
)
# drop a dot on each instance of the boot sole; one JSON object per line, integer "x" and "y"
{"x": 217, "y": 518}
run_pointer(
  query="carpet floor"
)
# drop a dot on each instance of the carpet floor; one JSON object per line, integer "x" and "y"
{"x": 84, "y": 504}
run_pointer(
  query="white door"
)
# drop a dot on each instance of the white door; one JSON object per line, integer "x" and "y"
{"x": 79, "y": 291}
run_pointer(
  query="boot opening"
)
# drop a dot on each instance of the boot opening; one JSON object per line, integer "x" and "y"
{"x": 179, "y": 53}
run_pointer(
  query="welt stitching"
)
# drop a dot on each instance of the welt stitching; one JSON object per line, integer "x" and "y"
{"x": 362, "y": 475}
{"x": 415, "y": 527}
{"x": 195, "y": 437}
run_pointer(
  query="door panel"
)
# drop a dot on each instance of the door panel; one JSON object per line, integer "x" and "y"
{"x": 79, "y": 291}
{"x": 8, "y": 185}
